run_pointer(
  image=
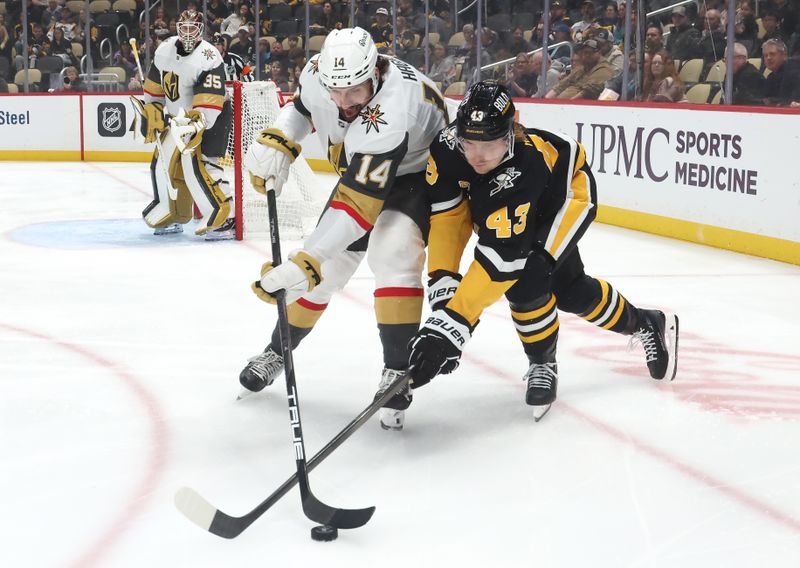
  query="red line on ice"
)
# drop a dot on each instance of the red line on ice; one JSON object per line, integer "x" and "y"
{"x": 153, "y": 468}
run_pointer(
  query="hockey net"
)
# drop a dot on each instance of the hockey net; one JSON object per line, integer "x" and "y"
{"x": 255, "y": 107}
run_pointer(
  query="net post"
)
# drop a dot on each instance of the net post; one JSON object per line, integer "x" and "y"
{"x": 237, "y": 158}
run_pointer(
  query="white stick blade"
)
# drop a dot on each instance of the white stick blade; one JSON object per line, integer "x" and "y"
{"x": 194, "y": 507}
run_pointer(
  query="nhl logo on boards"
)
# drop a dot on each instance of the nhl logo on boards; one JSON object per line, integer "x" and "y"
{"x": 111, "y": 120}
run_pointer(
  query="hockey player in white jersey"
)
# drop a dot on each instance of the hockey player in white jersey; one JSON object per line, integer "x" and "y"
{"x": 185, "y": 109}
{"x": 377, "y": 116}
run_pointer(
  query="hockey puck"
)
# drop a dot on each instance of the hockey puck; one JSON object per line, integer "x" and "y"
{"x": 324, "y": 533}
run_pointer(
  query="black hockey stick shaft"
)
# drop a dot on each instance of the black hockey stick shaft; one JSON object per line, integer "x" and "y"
{"x": 227, "y": 526}
{"x": 314, "y": 509}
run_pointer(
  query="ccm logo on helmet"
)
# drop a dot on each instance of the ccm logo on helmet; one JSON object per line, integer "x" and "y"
{"x": 501, "y": 103}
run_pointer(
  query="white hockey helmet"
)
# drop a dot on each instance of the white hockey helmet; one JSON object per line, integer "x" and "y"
{"x": 348, "y": 58}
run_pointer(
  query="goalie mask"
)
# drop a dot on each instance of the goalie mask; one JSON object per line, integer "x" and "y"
{"x": 190, "y": 29}
{"x": 485, "y": 114}
{"x": 348, "y": 58}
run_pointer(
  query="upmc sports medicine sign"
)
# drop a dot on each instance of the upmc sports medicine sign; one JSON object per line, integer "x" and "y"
{"x": 732, "y": 170}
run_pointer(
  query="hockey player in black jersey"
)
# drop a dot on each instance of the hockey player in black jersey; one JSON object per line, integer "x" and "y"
{"x": 530, "y": 196}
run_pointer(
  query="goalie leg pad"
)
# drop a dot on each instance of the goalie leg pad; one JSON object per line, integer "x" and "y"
{"x": 214, "y": 205}
{"x": 163, "y": 211}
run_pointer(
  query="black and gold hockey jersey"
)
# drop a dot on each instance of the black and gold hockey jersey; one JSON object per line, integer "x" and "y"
{"x": 539, "y": 202}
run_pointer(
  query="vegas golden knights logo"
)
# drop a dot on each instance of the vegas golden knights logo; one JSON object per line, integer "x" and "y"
{"x": 170, "y": 85}
{"x": 336, "y": 157}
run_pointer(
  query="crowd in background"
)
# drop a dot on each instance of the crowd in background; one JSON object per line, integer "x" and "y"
{"x": 683, "y": 52}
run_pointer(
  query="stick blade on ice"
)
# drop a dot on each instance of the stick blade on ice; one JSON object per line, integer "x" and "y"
{"x": 194, "y": 507}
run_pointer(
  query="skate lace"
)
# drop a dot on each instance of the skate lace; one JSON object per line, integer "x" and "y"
{"x": 389, "y": 376}
{"x": 540, "y": 375}
{"x": 648, "y": 340}
{"x": 267, "y": 362}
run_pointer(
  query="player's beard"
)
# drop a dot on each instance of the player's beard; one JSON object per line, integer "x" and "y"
{"x": 350, "y": 113}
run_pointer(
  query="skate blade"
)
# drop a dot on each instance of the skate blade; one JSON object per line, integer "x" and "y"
{"x": 671, "y": 327}
{"x": 391, "y": 428}
{"x": 540, "y": 411}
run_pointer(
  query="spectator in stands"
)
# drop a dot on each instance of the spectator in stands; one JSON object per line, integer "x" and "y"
{"x": 745, "y": 26}
{"x": 748, "y": 83}
{"x": 72, "y": 81}
{"x": 160, "y": 25}
{"x": 67, "y": 23}
{"x": 279, "y": 53}
{"x": 5, "y": 46}
{"x": 561, "y": 33}
{"x": 61, "y": 47}
{"x": 772, "y": 30}
{"x": 442, "y": 67}
{"x": 554, "y": 69}
{"x": 406, "y": 44}
{"x": 264, "y": 54}
{"x": 52, "y": 14}
{"x": 277, "y": 74}
{"x": 578, "y": 29}
{"x": 683, "y": 41}
{"x": 217, "y": 11}
{"x": 609, "y": 51}
{"x": 522, "y": 79}
{"x": 381, "y": 30}
{"x": 38, "y": 46}
{"x": 469, "y": 40}
{"x": 516, "y": 41}
{"x": 295, "y": 52}
{"x": 787, "y": 16}
{"x": 712, "y": 40}
{"x": 610, "y": 17}
{"x": 589, "y": 83}
{"x": 653, "y": 39}
{"x": 3, "y": 85}
{"x": 244, "y": 48}
{"x": 123, "y": 57}
{"x": 661, "y": 83}
{"x": 328, "y": 20}
{"x": 558, "y": 14}
{"x": 134, "y": 85}
{"x": 782, "y": 85}
{"x": 242, "y": 17}
{"x": 490, "y": 46}
{"x": 619, "y": 29}
{"x": 612, "y": 90}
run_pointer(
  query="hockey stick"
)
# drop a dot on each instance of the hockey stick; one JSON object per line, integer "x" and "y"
{"x": 314, "y": 509}
{"x": 137, "y": 104}
{"x": 202, "y": 513}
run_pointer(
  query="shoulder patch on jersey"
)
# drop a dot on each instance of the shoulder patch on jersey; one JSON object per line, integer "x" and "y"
{"x": 208, "y": 53}
{"x": 448, "y": 137}
{"x": 314, "y": 66}
{"x": 371, "y": 116}
{"x": 504, "y": 180}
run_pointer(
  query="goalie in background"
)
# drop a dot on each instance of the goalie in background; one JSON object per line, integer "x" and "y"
{"x": 185, "y": 107}
{"x": 377, "y": 116}
{"x": 531, "y": 196}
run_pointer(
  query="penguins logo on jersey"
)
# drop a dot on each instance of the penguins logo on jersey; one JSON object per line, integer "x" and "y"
{"x": 504, "y": 180}
{"x": 448, "y": 137}
{"x": 170, "y": 85}
{"x": 371, "y": 116}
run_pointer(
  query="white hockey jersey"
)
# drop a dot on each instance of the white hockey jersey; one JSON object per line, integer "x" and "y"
{"x": 390, "y": 137}
{"x": 193, "y": 81}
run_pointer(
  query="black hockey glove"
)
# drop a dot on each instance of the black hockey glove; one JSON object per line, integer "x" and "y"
{"x": 442, "y": 286}
{"x": 436, "y": 348}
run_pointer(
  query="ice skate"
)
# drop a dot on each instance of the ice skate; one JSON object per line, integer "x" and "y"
{"x": 392, "y": 416}
{"x": 225, "y": 232}
{"x": 658, "y": 334}
{"x": 260, "y": 372}
{"x": 542, "y": 379}
{"x": 171, "y": 229}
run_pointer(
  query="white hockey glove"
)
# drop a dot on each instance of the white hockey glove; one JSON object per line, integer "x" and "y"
{"x": 270, "y": 157}
{"x": 187, "y": 130}
{"x": 298, "y": 275}
{"x": 442, "y": 286}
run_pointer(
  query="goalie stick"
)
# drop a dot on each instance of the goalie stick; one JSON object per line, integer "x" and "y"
{"x": 202, "y": 513}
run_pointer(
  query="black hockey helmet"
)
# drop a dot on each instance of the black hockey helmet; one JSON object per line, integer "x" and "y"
{"x": 486, "y": 113}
